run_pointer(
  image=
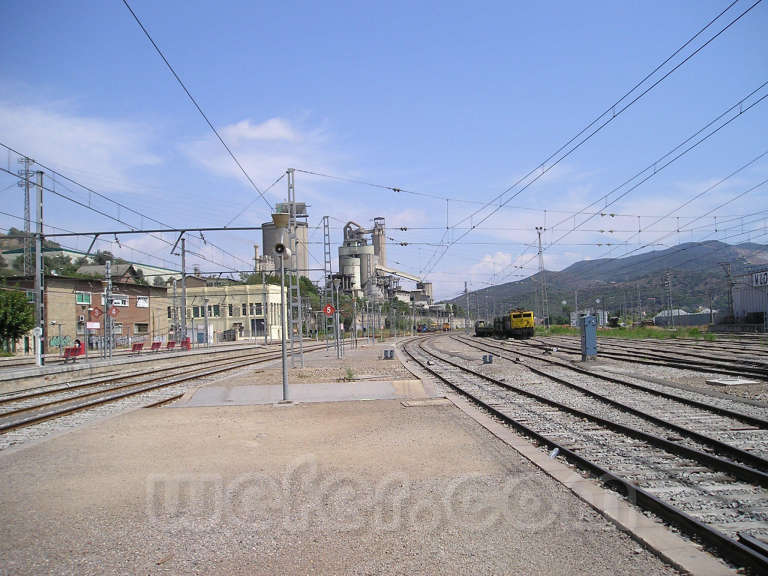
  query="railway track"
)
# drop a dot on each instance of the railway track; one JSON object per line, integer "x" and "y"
{"x": 732, "y": 429}
{"x": 740, "y": 356}
{"x": 37, "y": 412}
{"x": 55, "y": 359}
{"x": 660, "y": 465}
{"x": 641, "y": 356}
{"x": 738, "y": 349}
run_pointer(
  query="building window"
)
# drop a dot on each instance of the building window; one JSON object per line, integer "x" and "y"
{"x": 118, "y": 328}
{"x": 216, "y": 310}
{"x": 257, "y": 308}
{"x": 245, "y": 309}
{"x": 170, "y": 313}
{"x": 231, "y": 309}
{"x": 142, "y": 301}
{"x": 117, "y": 300}
{"x": 82, "y": 297}
{"x": 141, "y": 328}
{"x": 196, "y": 311}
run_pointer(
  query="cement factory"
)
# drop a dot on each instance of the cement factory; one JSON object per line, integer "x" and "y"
{"x": 362, "y": 260}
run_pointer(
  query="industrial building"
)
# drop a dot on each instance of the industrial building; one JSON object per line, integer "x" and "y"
{"x": 364, "y": 271}
{"x": 750, "y": 297}
{"x": 270, "y": 236}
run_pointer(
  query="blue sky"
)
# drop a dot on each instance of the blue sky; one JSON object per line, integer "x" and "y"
{"x": 451, "y": 99}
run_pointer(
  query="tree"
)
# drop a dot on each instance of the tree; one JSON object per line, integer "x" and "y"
{"x": 102, "y": 256}
{"x": 16, "y": 316}
{"x": 60, "y": 264}
{"x": 140, "y": 277}
{"x": 158, "y": 281}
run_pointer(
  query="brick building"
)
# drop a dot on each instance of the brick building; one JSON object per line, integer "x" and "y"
{"x": 71, "y": 302}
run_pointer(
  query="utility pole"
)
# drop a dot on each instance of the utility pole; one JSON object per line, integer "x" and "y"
{"x": 205, "y": 316}
{"x": 576, "y": 301}
{"x": 727, "y": 269}
{"x": 295, "y": 314}
{"x": 543, "y": 281}
{"x": 108, "y": 308}
{"x": 282, "y": 326}
{"x": 183, "y": 289}
{"x": 264, "y": 309}
{"x": 413, "y": 312}
{"x": 39, "y": 280}
{"x": 175, "y": 314}
{"x": 26, "y": 175}
{"x": 466, "y": 320}
{"x": 327, "y": 275}
{"x": 668, "y": 285}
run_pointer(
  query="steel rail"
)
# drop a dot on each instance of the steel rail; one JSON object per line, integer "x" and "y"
{"x": 92, "y": 383}
{"x": 112, "y": 398}
{"x": 733, "y": 452}
{"x": 709, "y": 367}
{"x": 724, "y": 362}
{"x": 746, "y": 418}
{"x": 212, "y": 362}
{"x": 740, "y": 471}
{"x": 731, "y": 549}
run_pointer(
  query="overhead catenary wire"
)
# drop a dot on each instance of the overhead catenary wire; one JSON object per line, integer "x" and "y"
{"x": 199, "y": 109}
{"x": 90, "y": 191}
{"x": 736, "y": 111}
{"x": 612, "y": 114}
{"x": 267, "y": 189}
{"x": 96, "y": 210}
{"x": 699, "y": 195}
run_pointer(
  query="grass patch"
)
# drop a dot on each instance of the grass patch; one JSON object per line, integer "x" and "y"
{"x": 632, "y": 333}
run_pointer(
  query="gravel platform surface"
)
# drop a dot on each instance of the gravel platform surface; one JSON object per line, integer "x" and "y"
{"x": 349, "y": 487}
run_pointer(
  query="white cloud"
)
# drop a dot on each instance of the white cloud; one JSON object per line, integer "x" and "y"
{"x": 272, "y": 129}
{"x": 97, "y": 151}
{"x": 265, "y": 150}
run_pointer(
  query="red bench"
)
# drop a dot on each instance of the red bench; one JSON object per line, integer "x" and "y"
{"x": 137, "y": 348}
{"x": 72, "y": 353}
{"x": 185, "y": 345}
{"x": 171, "y": 345}
{"x": 156, "y": 346}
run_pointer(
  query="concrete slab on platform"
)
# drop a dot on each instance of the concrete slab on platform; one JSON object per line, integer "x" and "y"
{"x": 731, "y": 381}
{"x": 247, "y": 394}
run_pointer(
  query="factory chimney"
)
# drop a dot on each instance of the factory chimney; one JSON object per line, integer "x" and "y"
{"x": 380, "y": 240}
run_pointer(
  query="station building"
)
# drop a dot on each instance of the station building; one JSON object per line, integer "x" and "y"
{"x": 235, "y": 310}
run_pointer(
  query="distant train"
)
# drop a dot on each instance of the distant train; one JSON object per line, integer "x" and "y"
{"x": 514, "y": 324}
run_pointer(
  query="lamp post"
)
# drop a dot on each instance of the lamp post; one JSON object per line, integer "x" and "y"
{"x": 281, "y": 220}
{"x": 336, "y": 284}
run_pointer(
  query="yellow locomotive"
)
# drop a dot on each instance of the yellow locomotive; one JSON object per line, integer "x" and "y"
{"x": 516, "y": 323}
